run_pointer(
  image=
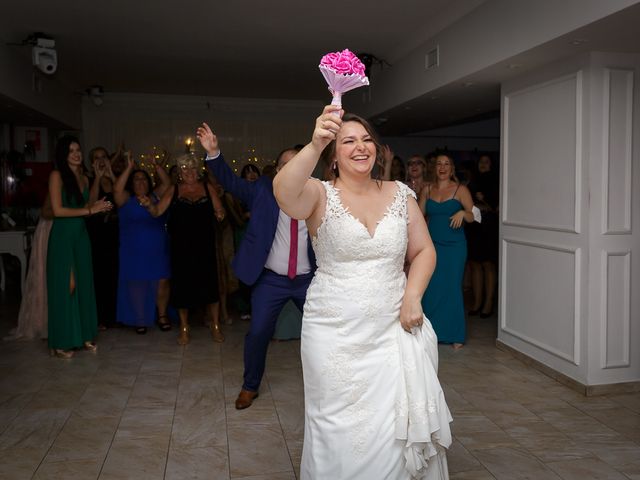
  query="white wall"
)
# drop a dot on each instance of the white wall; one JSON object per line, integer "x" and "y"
{"x": 568, "y": 214}
{"x": 245, "y": 127}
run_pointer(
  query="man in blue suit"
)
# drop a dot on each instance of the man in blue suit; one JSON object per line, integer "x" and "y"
{"x": 268, "y": 259}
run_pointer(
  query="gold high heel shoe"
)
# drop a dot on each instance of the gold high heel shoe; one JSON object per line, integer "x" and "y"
{"x": 90, "y": 347}
{"x": 183, "y": 336}
{"x": 216, "y": 333}
{"x": 56, "y": 352}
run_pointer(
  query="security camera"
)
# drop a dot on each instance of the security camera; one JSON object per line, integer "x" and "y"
{"x": 44, "y": 56}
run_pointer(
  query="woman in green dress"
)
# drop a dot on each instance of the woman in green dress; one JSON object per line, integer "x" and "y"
{"x": 72, "y": 303}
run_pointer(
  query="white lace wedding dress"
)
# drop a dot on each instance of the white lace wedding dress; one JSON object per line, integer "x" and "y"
{"x": 374, "y": 408}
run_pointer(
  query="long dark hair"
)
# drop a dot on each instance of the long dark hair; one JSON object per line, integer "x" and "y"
{"x": 129, "y": 186}
{"x": 69, "y": 181}
{"x": 329, "y": 153}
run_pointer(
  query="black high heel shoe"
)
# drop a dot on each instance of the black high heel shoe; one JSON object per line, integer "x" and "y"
{"x": 473, "y": 313}
{"x": 486, "y": 315}
{"x": 165, "y": 325}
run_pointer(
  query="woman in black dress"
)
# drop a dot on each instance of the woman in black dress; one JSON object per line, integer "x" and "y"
{"x": 103, "y": 233}
{"x": 482, "y": 238}
{"x": 194, "y": 207}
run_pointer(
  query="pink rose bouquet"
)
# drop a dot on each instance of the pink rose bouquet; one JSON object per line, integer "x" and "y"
{"x": 343, "y": 71}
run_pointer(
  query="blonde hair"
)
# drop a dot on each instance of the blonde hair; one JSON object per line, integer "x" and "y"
{"x": 189, "y": 160}
{"x": 448, "y": 156}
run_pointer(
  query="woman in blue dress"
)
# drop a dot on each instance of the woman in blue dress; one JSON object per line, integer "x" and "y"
{"x": 447, "y": 205}
{"x": 143, "y": 280}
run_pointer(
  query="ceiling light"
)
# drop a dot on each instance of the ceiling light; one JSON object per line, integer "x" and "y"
{"x": 44, "y": 56}
{"x": 514, "y": 66}
{"x": 578, "y": 41}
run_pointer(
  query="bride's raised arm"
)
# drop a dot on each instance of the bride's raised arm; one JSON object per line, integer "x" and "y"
{"x": 297, "y": 194}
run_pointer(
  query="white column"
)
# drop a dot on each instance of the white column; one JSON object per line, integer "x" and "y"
{"x": 570, "y": 218}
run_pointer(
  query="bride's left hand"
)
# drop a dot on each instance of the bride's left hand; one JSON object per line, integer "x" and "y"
{"x": 411, "y": 314}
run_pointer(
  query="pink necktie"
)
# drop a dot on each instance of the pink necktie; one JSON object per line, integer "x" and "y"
{"x": 293, "y": 249}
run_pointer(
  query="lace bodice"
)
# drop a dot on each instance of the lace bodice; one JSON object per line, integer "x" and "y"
{"x": 365, "y": 270}
{"x": 344, "y": 246}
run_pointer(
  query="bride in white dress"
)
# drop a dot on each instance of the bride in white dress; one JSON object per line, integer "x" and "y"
{"x": 374, "y": 408}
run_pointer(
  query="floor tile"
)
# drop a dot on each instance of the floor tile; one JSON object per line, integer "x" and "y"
{"x": 585, "y": 469}
{"x": 145, "y": 408}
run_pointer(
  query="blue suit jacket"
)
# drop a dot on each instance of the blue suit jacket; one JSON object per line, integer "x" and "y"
{"x": 252, "y": 253}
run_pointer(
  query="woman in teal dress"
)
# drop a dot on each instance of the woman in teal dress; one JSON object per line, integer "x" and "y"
{"x": 447, "y": 205}
{"x": 72, "y": 303}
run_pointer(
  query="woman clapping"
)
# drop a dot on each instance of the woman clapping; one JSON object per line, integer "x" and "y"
{"x": 194, "y": 207}
{"x": 143, "y": 280}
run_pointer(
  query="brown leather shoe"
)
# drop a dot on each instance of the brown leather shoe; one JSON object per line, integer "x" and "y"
{"x": 245, "y": 399}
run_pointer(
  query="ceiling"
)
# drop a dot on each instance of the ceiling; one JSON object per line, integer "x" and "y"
{"x": 262, "y": 49}
{"x": 19, "y": 114}
{"x": 248, "y": 48}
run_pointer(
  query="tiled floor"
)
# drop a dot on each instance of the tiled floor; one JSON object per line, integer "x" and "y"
{"x": 144, "y": 408}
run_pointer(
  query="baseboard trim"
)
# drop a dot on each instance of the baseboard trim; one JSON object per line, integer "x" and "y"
{"x": 586, "y": 390}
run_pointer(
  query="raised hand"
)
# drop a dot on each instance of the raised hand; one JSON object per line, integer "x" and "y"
{"x": 99, "y": 169}
{"x": 108, "y": 172}
{"x": 388, "y": 154}
{"x": 208, "y": 140}
{"x": 327, "y": 126}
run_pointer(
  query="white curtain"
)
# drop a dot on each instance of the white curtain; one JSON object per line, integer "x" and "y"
{"x": 253, "y": 130}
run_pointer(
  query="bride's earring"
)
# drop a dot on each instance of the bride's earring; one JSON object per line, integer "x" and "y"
{"x": 334, "y": 165}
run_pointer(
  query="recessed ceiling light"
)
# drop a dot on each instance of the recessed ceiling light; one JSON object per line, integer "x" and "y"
{"x": 434, "y": 97}
{"x": 578, "y": 41}
{"x": 514, "y": 66}
{"x": 468, "y": 84}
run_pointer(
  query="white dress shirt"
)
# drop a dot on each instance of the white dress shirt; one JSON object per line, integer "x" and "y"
{"x": 278, "y": 259}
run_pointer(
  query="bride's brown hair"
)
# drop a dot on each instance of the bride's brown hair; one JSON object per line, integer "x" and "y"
{"x": 329, "y": 153}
